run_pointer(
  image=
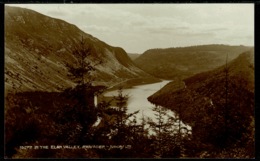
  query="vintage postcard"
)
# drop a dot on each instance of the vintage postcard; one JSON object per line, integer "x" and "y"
{"x": 129, "y": 81}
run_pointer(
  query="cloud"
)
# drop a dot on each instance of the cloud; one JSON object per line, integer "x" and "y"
{"x": 165, "y": 30}
{"x": 57, "y": 13}
{"x": 96, "y": 28}
{"x": 217, "y": 29}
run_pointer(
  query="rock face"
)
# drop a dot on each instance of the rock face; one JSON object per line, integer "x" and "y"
{"x": 183, "y": 62}
{"x": 37, "y": 47}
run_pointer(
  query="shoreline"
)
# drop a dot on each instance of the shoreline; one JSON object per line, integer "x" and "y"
{"x": 134, "y": 82}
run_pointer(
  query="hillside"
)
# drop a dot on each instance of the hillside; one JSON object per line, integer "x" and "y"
{"x": 218, "y": 104}
{"x": 37, "y": 47}
{"x": 183, "y": 62}
{"x": 133, "y": 56}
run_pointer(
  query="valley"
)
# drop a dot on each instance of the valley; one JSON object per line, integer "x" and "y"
{"x": 65, "y": 87}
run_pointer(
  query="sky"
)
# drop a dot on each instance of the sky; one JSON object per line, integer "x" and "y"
{"x": 139, "y": 27}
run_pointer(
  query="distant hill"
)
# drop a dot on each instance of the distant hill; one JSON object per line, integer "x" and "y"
{"x": 183, "y": 62}
{"x": 133, "y": 56}
{"x": 218, "y": 104}
{"x": 37, "y": 47}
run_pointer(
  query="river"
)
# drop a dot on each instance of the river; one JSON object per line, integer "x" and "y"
{"x": 138, "y": 100}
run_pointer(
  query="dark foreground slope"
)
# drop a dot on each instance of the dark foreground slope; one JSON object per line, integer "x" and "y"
{"x": 219, "y": 105}
{"x": 37, "y": 47}
{"x": 183, "y": 62}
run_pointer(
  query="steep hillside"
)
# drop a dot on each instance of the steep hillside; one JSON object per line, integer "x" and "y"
{"x": 183, "y": 62}
{"x": 37, "y": 47}
{"x": 218, "y": 104}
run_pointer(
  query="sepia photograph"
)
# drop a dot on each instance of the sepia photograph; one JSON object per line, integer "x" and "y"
{"x": 129, "y": 81}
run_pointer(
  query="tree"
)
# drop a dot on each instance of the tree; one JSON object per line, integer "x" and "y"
{"x": 122, "y": 116}
{"x": 164, "y": 133}
{"x": 118, "y": 128}
{"x": 82, "y": 95}
{"x": 226, "y": 109}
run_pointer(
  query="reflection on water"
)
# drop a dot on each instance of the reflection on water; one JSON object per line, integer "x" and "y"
{"x": 138, "y": 100}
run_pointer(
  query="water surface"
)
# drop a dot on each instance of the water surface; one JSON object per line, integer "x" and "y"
{"x": 138, "y": 100}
